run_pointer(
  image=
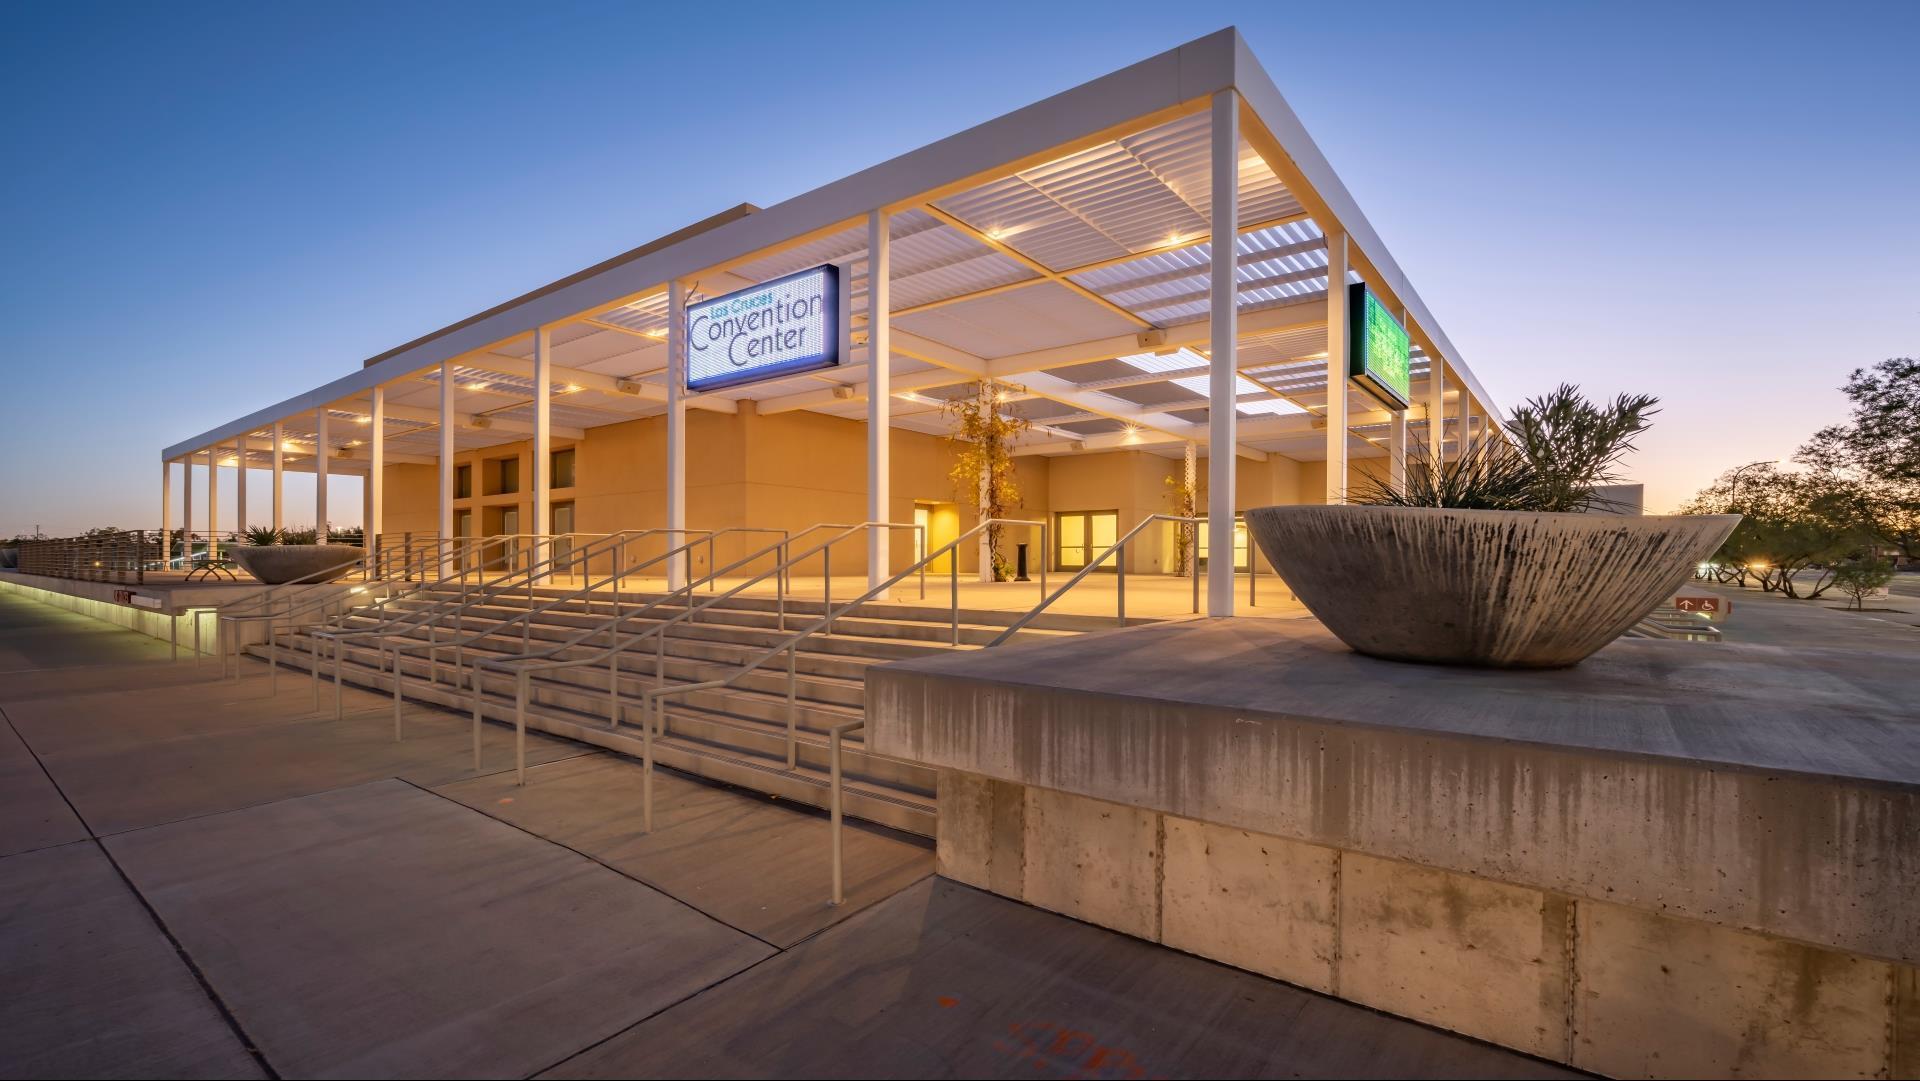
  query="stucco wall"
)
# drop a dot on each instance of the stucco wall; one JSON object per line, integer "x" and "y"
{"x": 795, "y": 469}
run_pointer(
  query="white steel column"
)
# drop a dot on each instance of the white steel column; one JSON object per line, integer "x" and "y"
{"x": 1397, "y": 428}
{"x": 213, "y": 501}
{"x": 322, "y": 450}
{"x": 1337, "y": 367}
{"x": 166, "y": 512}
{"x": 279, "y": 469}
{"x": 677, "y": 430}
{"x": 372, "y": 524}
{"x": 1397, "y": 450}
{"x": 445, "y": 519}
{"x": 186, "y": 508}
{"x": 240, "y": 484}
{"x": 1465, "y": 434}
{"x": 1437, "y": 411}
{"x": 1223, "y": 326}
{"x": 879, "y": 393}
{"x": 542, "y": 441}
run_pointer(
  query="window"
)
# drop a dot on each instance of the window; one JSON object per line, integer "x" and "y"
{"x": 1081, "y": 537}
{"x": 562, "y": 474}
{"x": 463, "y": 482}
{"x": 505, "y": 474}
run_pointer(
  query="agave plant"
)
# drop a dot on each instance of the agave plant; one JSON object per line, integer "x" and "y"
{"x": 1563, "y": 449}
{"x": 262, "y": 535}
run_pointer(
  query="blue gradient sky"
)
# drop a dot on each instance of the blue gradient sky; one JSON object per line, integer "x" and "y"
{"x": 208, "y": 208}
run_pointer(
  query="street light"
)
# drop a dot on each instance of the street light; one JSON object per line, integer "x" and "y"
{"x": 1733, "y": 488}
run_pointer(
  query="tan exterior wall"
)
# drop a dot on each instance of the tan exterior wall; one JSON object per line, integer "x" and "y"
{"x": 793, "y": 470}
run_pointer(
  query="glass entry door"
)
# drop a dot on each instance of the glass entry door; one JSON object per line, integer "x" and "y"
{"x": 1242, "y": 548}
{"x": 561, "y": 547}
{"x": 1082, "y": 536}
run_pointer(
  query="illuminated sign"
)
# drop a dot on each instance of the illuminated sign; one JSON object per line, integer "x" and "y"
{"x": 773, "y": 329}
{"x": 1379, "y": 353}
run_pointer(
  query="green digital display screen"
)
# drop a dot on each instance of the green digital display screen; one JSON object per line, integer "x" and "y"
{"x": 1378, "y": 349}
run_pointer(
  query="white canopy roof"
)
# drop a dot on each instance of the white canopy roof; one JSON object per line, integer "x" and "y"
{"x": 1061, "y": 248}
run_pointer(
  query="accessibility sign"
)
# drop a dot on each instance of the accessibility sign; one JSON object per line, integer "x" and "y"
{"x": 1707, "y": 605}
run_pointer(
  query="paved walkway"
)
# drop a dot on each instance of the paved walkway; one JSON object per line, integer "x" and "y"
{"x": 200, "y": 879}
{"x": 1891, "y": 625}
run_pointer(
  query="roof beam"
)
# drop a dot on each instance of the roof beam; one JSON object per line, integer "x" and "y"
{"x": 479, "y": 422}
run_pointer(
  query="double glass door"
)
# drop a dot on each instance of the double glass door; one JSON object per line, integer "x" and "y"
{"x": 1080, "y": 537}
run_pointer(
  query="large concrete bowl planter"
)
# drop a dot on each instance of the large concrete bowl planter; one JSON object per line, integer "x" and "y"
{"x": 1498, "y": 589}
{"x": 275, "y": 564}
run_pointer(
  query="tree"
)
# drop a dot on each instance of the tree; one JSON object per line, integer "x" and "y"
{"x": 1881, "y": 439}
{"x": 983, "y": 474}
{"x": 1861, "y": 578}
{"x": 1792, "y": 522}
{"x": 1185, "y": 499}
{"x": 1878, "y": 448}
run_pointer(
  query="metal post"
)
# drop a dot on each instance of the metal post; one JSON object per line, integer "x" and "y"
{"x": 1437, "y": 410}
{"x": 339, "y": 702}
{"x": 166, "y": 514}
{"x": 475, "y": 674}
{"x": 676, "y": 430}
{"x": 1337, "y": 346}
{"x": 879, "y": 393}
{"x": 240, "y": 484}
{"x": 446, "y": 463}
{"x": 1222, "y": 333}
{"x": 377, "y": 472}
{"x": 322, "y": 450}
{"x": 613, "y": 679}
{"x": 520, "y": 728}
{"x": 647, "y": 704}
{"x": 1120, "y": 583}
{"x": 793, "y": 708}
{"x": 834, "y": 810}
{"x": 279, "y": 470}
{"x": 397, "y": 692}
{"x": 542, "y": 446}
{"x": 213, "y": 502}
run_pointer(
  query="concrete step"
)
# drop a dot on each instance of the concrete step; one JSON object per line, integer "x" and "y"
{"x": 718, "y": 747}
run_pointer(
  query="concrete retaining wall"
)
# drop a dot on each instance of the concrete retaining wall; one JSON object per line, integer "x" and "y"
{"x": 1606, "y": 987}
{"x": 1674, "y": 860}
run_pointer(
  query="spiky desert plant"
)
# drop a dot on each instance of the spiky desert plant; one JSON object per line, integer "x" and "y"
{"x": 1573, "y": 445}
{"x": 262, "y": 535}
{"x": 1490, "y": 475}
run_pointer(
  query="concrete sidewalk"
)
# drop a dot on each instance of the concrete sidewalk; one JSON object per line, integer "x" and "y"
{"x": 198, "y": 878}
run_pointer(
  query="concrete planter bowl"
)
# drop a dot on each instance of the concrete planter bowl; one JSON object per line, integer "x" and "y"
{"x": 275, "y": 564}
{"x": 1495, "y": 589}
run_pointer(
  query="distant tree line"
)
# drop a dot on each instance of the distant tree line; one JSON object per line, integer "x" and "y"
{"x": 1853, "y": 502}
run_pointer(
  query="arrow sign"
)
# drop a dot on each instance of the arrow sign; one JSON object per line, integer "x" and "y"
{"x": 1705, "y": 605}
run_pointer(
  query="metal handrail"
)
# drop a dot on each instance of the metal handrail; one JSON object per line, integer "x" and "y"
{"x": 650, "y": 699}
{"x": 653, "y": 710}
{"x": 239, "y": 610}
{"x": 526, "y": 618}
{"x": 523, "y": 667}
{"x": 1120, "y": 566}
{"x": 472, "y": 590}
{"x": 470, "y": 594}
{"x": 303, "y": 602}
